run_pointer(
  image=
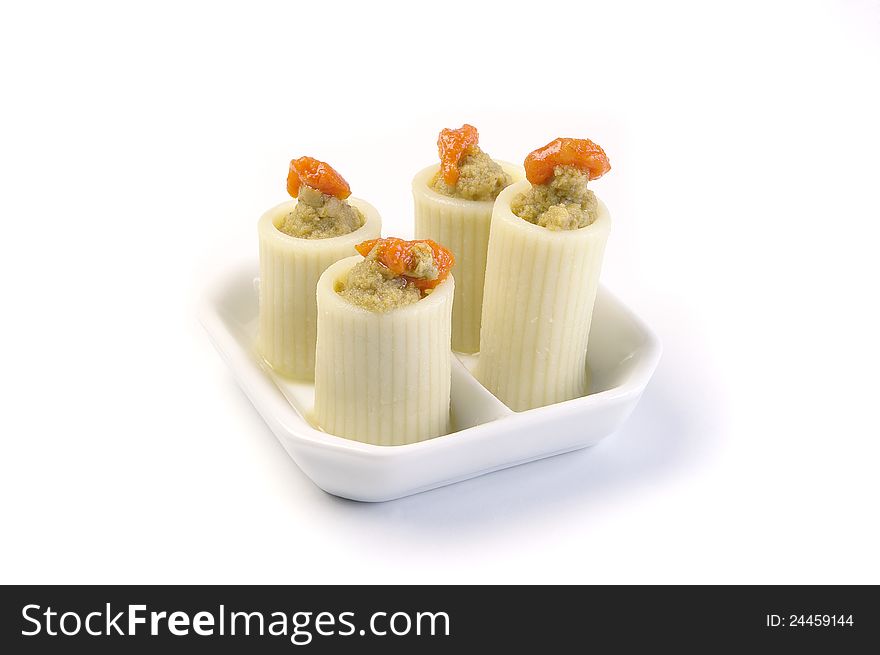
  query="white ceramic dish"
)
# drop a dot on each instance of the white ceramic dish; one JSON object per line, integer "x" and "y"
{"x": 623, "y": 354}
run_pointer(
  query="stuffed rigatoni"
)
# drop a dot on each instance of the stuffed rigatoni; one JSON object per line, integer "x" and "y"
{"x": 453, "y": 205}
{"x": 298, "y": 241}
{"x": 382, "y": 372}
{"x": 545, "y": 254}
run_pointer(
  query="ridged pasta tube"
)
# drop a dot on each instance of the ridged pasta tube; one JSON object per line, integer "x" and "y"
{"x": 462, "y": 226}
{"x": 537, "y": 306}
{"x": 382, "y": 378}
{"x": 289, "y": 272}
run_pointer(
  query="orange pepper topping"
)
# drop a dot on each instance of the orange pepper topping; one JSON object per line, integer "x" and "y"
{"x": 397, "y": 256}
{"x": 452, "y": 144}
{"x": 583, "y": 154}
{"x": 317, "y": 175}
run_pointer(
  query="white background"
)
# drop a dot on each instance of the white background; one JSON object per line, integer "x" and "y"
{"x": 140, "y": 143}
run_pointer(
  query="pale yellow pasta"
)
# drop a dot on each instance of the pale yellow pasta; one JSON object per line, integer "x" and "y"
{"x": 289, "y": 272}
{"x": 537, "y": 306}
{"x": 382, "y": 378}
{"x": 462, "y": 226}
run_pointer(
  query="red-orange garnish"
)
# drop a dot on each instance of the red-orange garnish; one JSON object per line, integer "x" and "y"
{"x": 317, "y": 175}
{"x": 583, "y": 154}
{"x": 451, "y": 145}
{"x": 396, "y": 255}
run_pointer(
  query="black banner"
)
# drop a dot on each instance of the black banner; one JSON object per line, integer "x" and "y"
{"x": 115, "y": 619}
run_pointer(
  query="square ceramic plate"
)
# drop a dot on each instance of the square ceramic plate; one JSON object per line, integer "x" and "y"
{"x": 486, "y": 437}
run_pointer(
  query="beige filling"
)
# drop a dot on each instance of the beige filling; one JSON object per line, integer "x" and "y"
{"x": 317, "y": 215}
{"x": 564, "y": 203}
{"x": 371, "y": 285}
{"x": 481, "y": 178}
